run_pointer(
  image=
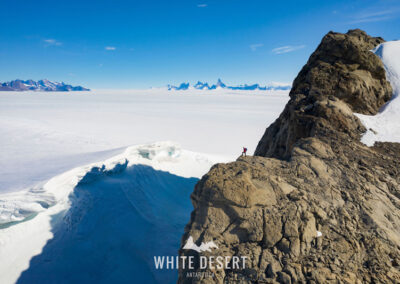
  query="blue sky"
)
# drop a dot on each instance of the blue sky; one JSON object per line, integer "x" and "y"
{"x": 139, "y": 44}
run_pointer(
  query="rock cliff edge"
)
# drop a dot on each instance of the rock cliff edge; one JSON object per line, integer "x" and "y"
{"x": 313, "y": 204}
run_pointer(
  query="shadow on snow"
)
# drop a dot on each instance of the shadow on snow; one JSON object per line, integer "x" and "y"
{"x": 119, "y": 219}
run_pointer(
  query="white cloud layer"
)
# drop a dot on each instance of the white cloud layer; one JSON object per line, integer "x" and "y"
{"x": 255, "y": 46}
{"x": 110, "y": 48}
{"x": 52, "y": 42}
{"x": 375, "y": 16}
{"x": 287, "y": 49}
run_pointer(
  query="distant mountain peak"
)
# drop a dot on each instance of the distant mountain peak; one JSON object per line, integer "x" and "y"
{"x": 220, "y": 85}
{"x": 43, "y": 85}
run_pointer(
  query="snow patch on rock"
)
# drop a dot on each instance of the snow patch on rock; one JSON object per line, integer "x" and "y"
{"x": 384, "y": 126}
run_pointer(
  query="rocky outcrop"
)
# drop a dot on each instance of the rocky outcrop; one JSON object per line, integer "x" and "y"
{"x": 341, "y": 77}
{"x": 314, "y": 205}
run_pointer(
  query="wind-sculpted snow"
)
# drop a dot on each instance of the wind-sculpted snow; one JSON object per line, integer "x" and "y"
{"x": 116, "y": 224}
{"x": 44, "y": 135}
{"x": 104, "y": 222}
{"x": 384, "y": 126}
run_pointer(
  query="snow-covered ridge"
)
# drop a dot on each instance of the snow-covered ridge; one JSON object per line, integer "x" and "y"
{"x": 149, "y": 185}
{"x": 165, "y": 156}
{"x": 220, "y": 85}
{"x": 41, "y": 85}
{"x": 384, "y": 126}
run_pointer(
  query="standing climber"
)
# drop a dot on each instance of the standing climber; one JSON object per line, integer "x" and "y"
{"x": 244, "y": 151}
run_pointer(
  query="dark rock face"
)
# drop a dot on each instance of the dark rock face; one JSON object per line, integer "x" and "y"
{"x": 342, "y": 67}
{"x": 314, "y": 205}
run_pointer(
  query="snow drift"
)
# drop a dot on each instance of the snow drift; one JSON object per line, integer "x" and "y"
{"x": 103, "y": 222}
{"x": 384, "y": 126}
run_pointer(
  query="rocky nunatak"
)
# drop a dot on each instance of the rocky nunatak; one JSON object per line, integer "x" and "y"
{"x": 314, "y": 204}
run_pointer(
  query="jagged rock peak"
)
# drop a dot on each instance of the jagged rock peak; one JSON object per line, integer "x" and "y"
{"x": 342, "y": 76}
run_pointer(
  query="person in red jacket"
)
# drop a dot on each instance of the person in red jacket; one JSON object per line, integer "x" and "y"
{"x": 244, "y": 151}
